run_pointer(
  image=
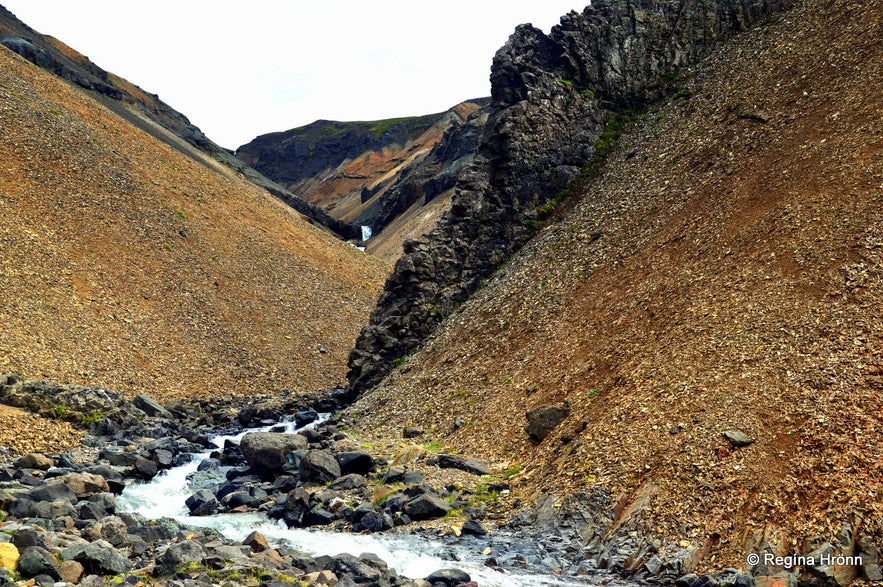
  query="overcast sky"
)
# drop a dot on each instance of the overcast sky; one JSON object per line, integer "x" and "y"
{"x": 240, "y": 69}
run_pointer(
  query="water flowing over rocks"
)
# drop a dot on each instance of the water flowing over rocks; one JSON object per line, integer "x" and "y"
{"x": 552, "y": 96}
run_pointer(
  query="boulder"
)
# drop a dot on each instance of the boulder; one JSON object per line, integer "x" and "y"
{"x": 70, "y": 572}
{"x": 202, "y": 503}
{"x": 268, "y": 450}
{"x": 361, "y": 571}
{"x": 737, "y": 438}
{"x": 53, "y": 490}
{"x": 85, "y": 484}
{"x": 35, "y": 561}
{"x": 319, "y": 466}
{"x": 426, "y": 506}
{"x": 449, "y": 577}
{"x": 179, "y": 554}
{"x": 256, "y": 541}
{"x": 412, "y": 432}
{"x": 355, "y": 461}
{"x": 541, "y": 421}
{"x": 474, "y": 466}
{"x": 150, "y": 406}
{"x": 349, "y": 482}
{"x": 34, "y": 461}
{"x": 98, "y": 558}
{"x": 9, "y": 556}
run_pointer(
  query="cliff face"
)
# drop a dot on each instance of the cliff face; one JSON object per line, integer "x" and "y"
{"x": 144, "y": 110}
{"x": 552, "y": 96}
{"x": 372, "y": 173}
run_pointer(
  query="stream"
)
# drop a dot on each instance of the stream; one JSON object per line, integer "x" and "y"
{"x": 411, "y": 556}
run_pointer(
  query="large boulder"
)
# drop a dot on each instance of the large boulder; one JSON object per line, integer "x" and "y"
{"x": 541, "y": 421}
{"x": 35, "y": 561}
{"x": 355, "y": 461}
{"x": 426, "y": 507}
{"x": 268, "y": 450}
{"x": 319, "y": 466}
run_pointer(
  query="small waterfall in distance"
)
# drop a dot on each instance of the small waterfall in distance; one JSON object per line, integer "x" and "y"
{"x": 366, "y": 233}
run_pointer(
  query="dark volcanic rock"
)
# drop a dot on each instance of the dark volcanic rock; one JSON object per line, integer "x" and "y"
{"x": 542, "y": 420}
{"x": 426, "y": 507}
{"x": 449, "y": 577}
{"x": 319, "y": 466}
{"x": 473, "y": 466}
{"x": 268, "y": 450}
{"x": 551, "y": 98}
{"x": 355, "y": 461}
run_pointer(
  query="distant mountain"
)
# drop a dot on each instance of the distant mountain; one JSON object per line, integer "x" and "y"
{"x": 142, "y": 109}
{"x": 394, "y": 173}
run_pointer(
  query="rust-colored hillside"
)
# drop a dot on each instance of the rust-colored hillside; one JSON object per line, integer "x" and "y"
{"x": 724, "y": 271}
{"x": 128, "y": 264}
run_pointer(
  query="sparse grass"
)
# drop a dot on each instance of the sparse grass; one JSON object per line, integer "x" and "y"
{"x": 92, "y": 418}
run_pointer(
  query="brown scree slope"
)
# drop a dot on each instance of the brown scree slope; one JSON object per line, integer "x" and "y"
{"x": 127, "y": 264}
{"x": 736, "y": 284}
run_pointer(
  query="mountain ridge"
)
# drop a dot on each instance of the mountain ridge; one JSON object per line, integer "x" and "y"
{"x": 128, "y": 264}
{"x": 144, "y": 110}
{"x": 374, "y": 173}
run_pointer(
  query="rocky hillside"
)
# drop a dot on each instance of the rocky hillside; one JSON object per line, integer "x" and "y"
{"x": 552, "y": 99}
{"x": 395, "y": 172}
{"x": 143, "y": 109}
{"x": 683, "y": 366}
{"x": 127, "y": 263}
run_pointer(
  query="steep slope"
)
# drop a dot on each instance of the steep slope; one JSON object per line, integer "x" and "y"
{"x": 128, "y": 264}
{"x": 144, "y": 110}
{"x": 552, "y": 96}
{"x": 372, "y": 173}
{"x": 724, "y": 272}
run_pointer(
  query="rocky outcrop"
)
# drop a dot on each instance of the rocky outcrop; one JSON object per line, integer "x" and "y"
{"x": 552, "y": 96}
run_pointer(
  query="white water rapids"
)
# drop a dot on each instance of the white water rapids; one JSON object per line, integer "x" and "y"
{"x": 411, "y": 556}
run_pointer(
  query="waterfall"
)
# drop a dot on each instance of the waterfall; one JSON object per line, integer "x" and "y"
{"x": 366, "y": 233}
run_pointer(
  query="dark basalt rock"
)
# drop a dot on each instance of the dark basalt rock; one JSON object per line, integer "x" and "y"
{"x": 541, "y": 421}
{"x": 319, "y": 466}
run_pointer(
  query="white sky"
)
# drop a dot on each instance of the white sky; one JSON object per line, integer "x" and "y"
{"x": 240, "y": 69}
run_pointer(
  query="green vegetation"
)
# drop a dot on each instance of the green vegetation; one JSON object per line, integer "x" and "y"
{"x": 181, "y": 214}
{"x": 511, "y": 471}
{"x": 594, "y": 392}
{"x": 60, "y": 410}
{"x": 92, "y": 418}
{"x": 54, "y": 112}
{"x": 399, "y": 360}
{"x": 566, "y": 83}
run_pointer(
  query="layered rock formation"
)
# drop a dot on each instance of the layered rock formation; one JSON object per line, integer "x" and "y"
{"x": 377, "y": 174}
{"x": 552, "y": 96}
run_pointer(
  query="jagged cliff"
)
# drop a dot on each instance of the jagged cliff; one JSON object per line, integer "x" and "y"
{"x": 145, "y": 110}
{"x": 552, "y": 96}
{"x": 374, "y": 173}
